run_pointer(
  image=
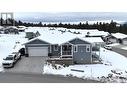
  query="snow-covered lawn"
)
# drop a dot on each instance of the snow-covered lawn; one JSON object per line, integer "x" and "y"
{"x": 8, "y": 44}
{"x": 113, "y": 64}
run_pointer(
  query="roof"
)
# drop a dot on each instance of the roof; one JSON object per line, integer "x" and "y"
{"x": 97, "y": 33}
{"x": 58, "y": 37}
{"x": 119, "y": 35}
{"x": 93, "y": 39}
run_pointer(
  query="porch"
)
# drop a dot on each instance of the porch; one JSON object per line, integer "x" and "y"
{"x": 66, "y": 51}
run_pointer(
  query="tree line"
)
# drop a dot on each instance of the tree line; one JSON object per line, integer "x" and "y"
{"x": 111, "y": 27}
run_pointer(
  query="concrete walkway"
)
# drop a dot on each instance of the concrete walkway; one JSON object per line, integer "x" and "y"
{"x": 30, "y": 65}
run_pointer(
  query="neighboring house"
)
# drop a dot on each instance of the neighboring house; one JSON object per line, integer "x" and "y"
{"x": 31, "y": 35}
{"x": 11, "y": 30}
{"x": 120, "y": 38}
{"x": 110, "y": 39}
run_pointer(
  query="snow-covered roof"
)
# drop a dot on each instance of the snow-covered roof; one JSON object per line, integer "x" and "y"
{"x": 56, "y": 37}
{"x": 98, "y": 33}
{"x": 119, "y": 35}
{"x": 93, "y": 39}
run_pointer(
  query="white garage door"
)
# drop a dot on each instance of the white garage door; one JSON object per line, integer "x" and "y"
{"x": 38, "y": 51}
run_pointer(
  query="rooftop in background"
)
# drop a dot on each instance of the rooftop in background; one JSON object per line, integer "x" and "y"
{"x": 119, "y": 35}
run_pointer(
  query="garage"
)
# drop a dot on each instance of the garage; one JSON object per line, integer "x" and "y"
{"x": 38, "y": 51}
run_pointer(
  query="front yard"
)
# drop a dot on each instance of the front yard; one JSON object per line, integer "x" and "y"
{"x": 113, "y": 69}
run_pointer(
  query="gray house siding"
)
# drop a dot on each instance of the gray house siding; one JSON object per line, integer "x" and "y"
{"x": 81, "y": 56}
{"x": 55, "y": 52}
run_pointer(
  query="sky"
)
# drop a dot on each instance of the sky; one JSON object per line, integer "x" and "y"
{"x": 63, "y": 6}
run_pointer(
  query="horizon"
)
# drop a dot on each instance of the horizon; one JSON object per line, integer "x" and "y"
{"x": 70, "y": 16}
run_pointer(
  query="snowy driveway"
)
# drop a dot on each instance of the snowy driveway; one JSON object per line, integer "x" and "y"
{"x": 28, "y": 65}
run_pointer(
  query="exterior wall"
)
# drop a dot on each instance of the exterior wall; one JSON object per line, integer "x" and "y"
{"x": 55, "y": 53}
{"x": 81, "y": 56}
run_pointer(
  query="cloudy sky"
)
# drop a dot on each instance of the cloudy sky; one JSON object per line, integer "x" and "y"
{"x": 63, "y": 5}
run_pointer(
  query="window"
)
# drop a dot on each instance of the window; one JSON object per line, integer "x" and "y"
{"x": 88, "y": 48}
{"x": 55, "y": 47}
{"x": 75, "y": 48}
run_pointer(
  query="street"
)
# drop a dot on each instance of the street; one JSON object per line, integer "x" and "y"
{"x": 120, "y": 51}
{"x": 6, "y": 77}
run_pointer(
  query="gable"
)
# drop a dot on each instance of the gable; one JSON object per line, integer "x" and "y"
{"x": 78, "y": 41}
{"x": 37, "y": 41}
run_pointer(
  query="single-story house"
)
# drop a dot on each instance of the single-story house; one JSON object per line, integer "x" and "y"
{"x": 110, "y": 39}
{"x": 62, "y": 45}
{"x": 31, "y": 35}
{"x": 120, "y": 38}
{"x": 11, "y": 30}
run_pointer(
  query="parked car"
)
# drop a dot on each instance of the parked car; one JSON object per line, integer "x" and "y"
{"x": 11, "y": 59}
{"x": 108, "y": 47}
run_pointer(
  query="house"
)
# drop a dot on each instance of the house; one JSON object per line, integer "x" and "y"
{"x": 120, "y": 38}
{"x": 110, "y": 39}
{"x": 60, "y": 45}
{"x": 11, "y": 30}
{"x": 31, "y": 35}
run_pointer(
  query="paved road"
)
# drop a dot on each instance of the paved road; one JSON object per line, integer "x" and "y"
{"x": 120, "y": 51}
{"x": 37, "y": 78}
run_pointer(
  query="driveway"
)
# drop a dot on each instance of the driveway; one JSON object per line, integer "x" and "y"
{"x": 28, "y": 65}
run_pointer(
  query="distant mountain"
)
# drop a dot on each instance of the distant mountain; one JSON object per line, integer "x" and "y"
{"x": 70, "y": 16}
